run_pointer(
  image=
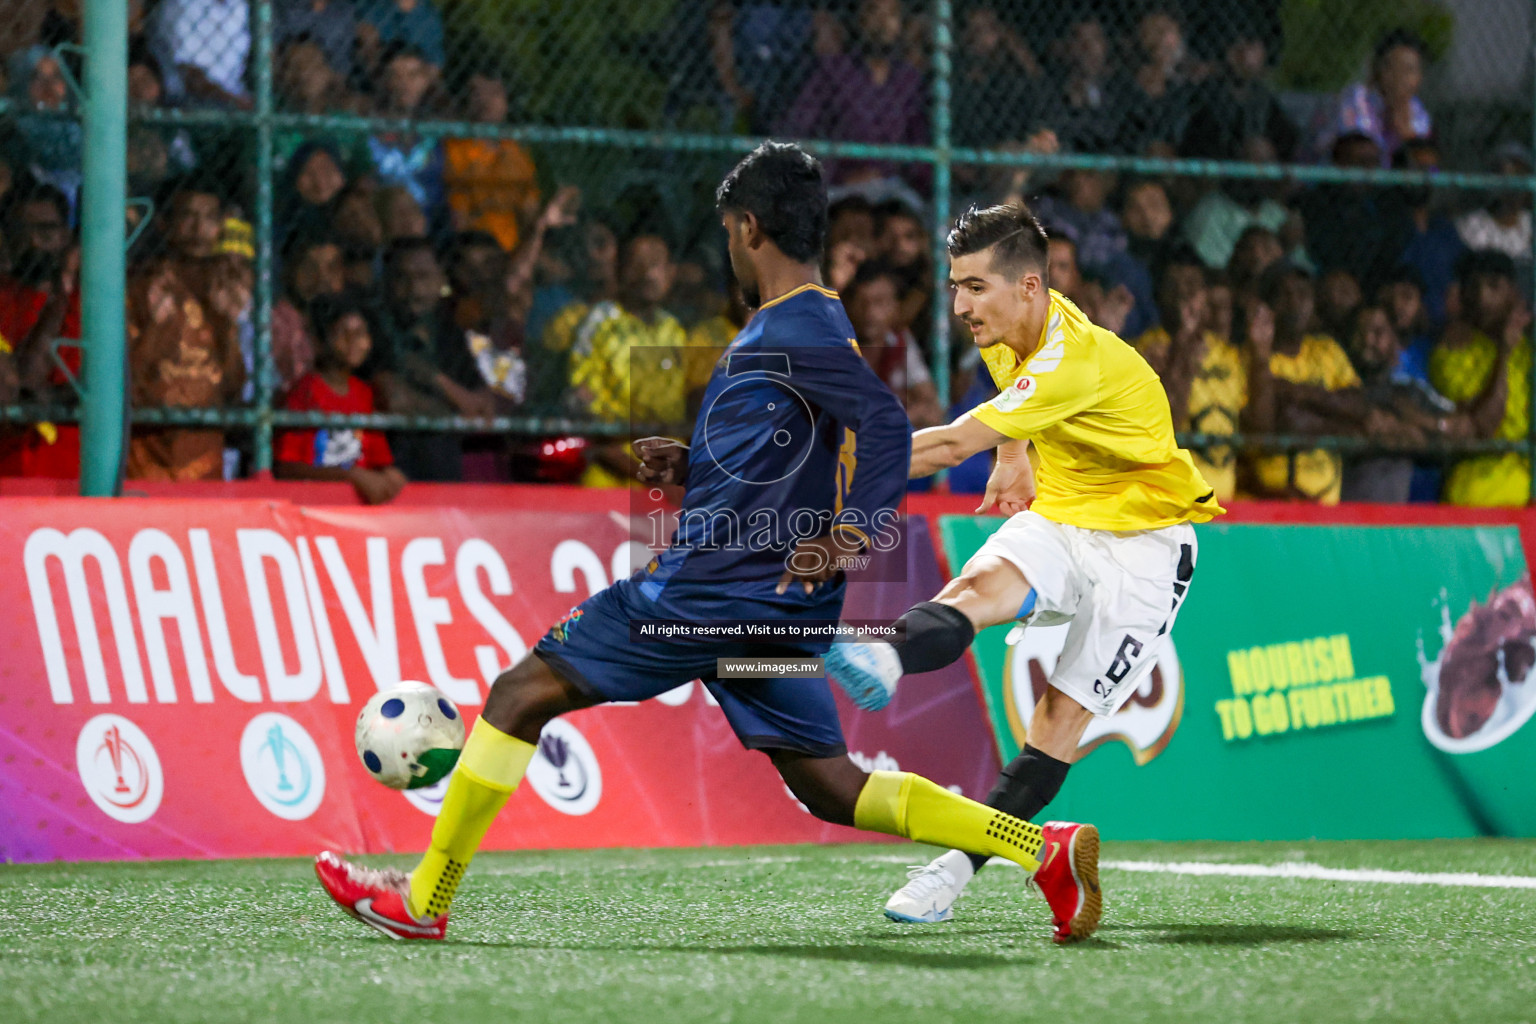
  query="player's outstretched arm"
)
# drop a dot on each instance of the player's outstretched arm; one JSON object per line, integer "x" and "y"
{"x": 943, "y": 447}
{"x": 1011, "y": 484}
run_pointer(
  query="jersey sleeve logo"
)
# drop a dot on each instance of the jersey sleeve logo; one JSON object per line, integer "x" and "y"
{"x": 1014, "y": 395}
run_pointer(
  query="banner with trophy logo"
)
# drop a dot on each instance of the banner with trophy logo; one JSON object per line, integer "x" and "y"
{"x": 181, "y": 678}
{"x": 1337, "y": 682}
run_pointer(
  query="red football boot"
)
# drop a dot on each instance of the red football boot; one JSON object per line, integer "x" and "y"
{"x": 376, "y": 897}
{"x": 1069, "y": 878}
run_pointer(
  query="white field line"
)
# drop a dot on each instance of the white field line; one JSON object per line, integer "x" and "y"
{"x": 1298, "y": 870}
{"x": 1317, "y": 872}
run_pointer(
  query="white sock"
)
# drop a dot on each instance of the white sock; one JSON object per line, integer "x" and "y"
{"x": 958, "y": 864}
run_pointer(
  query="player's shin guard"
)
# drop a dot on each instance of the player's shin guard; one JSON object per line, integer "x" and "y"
{"x": 1025, "y": 787}
{"x": 934, "y": 635}
{"x": 903, "y": 804}
{"x": 489, "y": 769}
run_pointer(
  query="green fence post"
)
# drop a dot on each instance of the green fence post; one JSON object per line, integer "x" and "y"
{"x": 1531, "y": 182}
{"x": 943, "y": 14}
{"x": 262, "y": 54}
{"x": 103, "y": 237}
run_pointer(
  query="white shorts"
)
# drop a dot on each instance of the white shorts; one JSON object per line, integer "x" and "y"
{"x": 1120, "y": 591}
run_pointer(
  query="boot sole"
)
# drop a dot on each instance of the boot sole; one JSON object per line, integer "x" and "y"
{"x": 1085, "y": 872}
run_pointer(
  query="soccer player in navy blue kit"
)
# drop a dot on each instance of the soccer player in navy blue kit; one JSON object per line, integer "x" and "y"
{"x": 798, "y": 461}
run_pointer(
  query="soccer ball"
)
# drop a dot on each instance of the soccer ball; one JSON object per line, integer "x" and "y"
{"x": 409, "y": 736}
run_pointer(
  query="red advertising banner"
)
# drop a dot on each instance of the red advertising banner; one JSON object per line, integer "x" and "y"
{"x": 180, "y": 678}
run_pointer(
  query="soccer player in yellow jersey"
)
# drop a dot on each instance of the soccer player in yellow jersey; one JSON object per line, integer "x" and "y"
{"x": 1099, "y": 536}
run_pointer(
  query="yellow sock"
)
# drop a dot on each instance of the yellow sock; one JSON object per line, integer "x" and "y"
{"x": 903, "y": 804}
{"x": 490, "y": 767}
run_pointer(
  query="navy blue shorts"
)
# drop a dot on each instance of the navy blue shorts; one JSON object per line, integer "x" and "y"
{"x": 590, "y": 648}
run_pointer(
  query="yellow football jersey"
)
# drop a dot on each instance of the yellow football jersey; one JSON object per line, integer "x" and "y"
{"x": 1461, "y": 374}
{"x": 1316, "y": 474}
{"x": 623, "y": 368}
{"x": 1098, "y": 419}
{"x": 1217, "y": 396}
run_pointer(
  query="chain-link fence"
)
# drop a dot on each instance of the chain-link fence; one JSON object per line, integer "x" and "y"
{"x": 1312, "y": 217}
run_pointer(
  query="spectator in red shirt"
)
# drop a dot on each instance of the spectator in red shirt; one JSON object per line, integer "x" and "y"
{"x": 313, "y": 266}
{"x": 39, "y": 302}
{"x": 360, "y": 457}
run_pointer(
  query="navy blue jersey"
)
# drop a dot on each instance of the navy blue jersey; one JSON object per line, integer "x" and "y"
{"x": 796, "y": 435}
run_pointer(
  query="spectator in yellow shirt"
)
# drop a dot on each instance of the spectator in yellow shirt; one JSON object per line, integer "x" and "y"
{"x": 1299, "y": 382}
{"x": 627, "y": 360}
{"x": 581, "y": 268}
{"x": 1205, "y": 375}
{"x": 1483, "y": 364}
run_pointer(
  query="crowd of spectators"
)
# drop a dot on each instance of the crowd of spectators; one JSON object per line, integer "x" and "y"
{"x": 449, "y": 277}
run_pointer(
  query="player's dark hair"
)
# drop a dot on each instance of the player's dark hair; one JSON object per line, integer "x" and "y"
{"x": 783, "y": 187}
{"x": 1017, "y": 240}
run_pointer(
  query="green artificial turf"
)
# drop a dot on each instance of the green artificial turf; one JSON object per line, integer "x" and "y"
{"x": 777, "y": 934}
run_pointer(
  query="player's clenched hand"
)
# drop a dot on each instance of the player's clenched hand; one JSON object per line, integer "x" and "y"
{"x": 816, "y": 560}
{"x": 1011, "y": 487}
{"x": 662, "y": 460}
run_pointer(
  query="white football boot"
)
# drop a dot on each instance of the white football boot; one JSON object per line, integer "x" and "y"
{"x": 931, "y": 890}
{"x": 866, "y": 670}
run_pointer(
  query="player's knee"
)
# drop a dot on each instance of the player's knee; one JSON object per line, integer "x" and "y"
{"x": 988, "y": 591}
{"x": 825, "y": 804}
{"x": 828, "y": 787}
{"x": 524, "y": 698}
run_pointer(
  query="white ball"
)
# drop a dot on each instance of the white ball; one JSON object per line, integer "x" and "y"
{"x": 409, "y": 736}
